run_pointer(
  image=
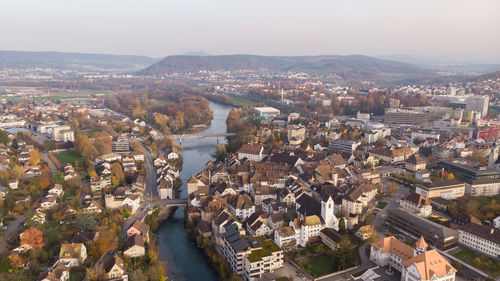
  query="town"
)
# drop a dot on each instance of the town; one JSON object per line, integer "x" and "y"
{"x": 312, "y": 178}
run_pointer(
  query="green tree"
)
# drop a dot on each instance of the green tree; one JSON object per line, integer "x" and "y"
{"x": 342, "y": 227}
{"x": 14, "y": 144}
{"x": 344, "y": 254}
{"x": 4, "y": 138}
{"x": 84, "y": 221}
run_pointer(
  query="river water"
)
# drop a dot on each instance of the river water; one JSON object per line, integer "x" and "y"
{"x": 184, "y": 260}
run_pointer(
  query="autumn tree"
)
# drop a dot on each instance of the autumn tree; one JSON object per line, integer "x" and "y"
{"x": 16, "y": 171}
{"x": 34, "y": 157}
{"x": 85, "y": 147}
{"x": 103, "y": 142}
{"x": 85, "y": 221}
{"x": 106, "y": 241}
{"x": 117, "y": 174}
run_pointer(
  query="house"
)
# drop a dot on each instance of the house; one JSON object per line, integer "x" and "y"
{"x": 134, "y": 247}
{"x": 413, "y": 263}
{"x": 254, "y": 152}
{"x": 415, "y": 163}
{"x": 172, "y": 155}
{"x": 32, "y": 237}
{"x": 284, "y": 237}
{"x": 139, "y": 228}
{"x": 58, "y": 273}
{"x": 359, "y": 198}
{"x": 138, "y": 156}
{"x": 330, "y": 237}
{"x": 241, "y": 205}
{"x": 133, "y": 202}
{"x": 94, "y": 207}
{"x": 48, "y": 202}
{"x": 56, "y": 191}
{"x": 112, "y": 265}
{"x": 73, "y": 254}
{"x": 307, "y": 229}
{"x": 416, "y": 203}
{"x": 99, "y": 183}
{"x": 364, "y": 232}
{"x": 13, "y": 184}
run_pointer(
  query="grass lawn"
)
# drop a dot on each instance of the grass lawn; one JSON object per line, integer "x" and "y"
{"x": 381, "y": 205}
{"x": 242, "y": 101}
{"x": 320, "y": 265}
{"x": 482, "y": 262}
{"x": 68, "y": 157}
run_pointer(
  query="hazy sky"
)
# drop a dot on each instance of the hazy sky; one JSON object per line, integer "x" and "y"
{"x": 462, "y": 29}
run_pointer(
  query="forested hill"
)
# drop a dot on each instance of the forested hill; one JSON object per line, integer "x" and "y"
{"x": 355, "y": 67}
{"x": 72, "y": 61}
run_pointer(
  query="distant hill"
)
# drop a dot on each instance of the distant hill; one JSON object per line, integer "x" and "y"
{"x": 492, "y": 76}
{"x": 72, "y": 61}
{"x": 354, "y": 67}
{"x": 445, "y": 63}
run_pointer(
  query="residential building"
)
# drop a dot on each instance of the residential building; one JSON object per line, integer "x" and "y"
{"x": 330, "y": 237}
{"x": 479, "y": 104}
{"x": 254, "y": 152}
{"x": 415, "y": 163}
{"x": 296, "y": 134}
{"x": 416, "y": 204}
{"x": 73, "y": 254}
{"x": 307, "y": 229}
{"x": 134, "y": 247}
{"x": 284, "y": 237}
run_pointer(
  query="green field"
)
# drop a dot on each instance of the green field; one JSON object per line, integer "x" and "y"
{"x": 321, "y": 265}
{"x": 381, "y": 205}
{"x": 68, "y": 157}
{"x": 242, "y": 101}
{"x": 482, "y": 262}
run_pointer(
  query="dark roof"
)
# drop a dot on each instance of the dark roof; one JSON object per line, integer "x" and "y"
{"x": 203, "y": 226}
{"x": 134, "y": 240}
{"x": 232, "y": 236}
{"x": 417, "y": 199}
{"x": 284, "y": 158}
{"x": 308, "y": 206}
{"x": 250, "y": 149}
{"x": 332, "y": 234}
{"x": 421, "y": 223}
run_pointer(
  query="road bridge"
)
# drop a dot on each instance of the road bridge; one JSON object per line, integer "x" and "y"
{"x": 196, "y": 136}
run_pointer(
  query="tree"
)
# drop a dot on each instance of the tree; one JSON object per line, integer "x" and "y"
{"x": 373, "y": 236}
{"x": 85, "y": 147}
{"x": 392, "y": 187}
{"x": 84, "y": 221}
{"x": 220, "y": 153}
{"x": 95, "y": 273}
{"x": 344, "y": 254}
{"x": 117, "y": 175}
{"x": 34, "y": 157}
{"x": 138, "y": 275}
{"x": 106, "y": 241}
{"x": 16, "y": 261}
{"x": 17, "y": 171}
{"x": 342, "y": 227}
{"x": 4, "y": 138}
{"x": 103, "y": 142}
{"x": 14, "y": 144}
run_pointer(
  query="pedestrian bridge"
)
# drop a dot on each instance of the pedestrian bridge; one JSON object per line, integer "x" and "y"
{"x": 199, "y": 135}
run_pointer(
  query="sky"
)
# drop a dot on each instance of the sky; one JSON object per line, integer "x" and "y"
{"x": 465, "y": 30}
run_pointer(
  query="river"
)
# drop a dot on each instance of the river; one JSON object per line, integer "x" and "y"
{"x": 184, "y": 260}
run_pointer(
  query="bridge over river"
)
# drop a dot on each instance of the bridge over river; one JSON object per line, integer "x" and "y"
{"x": 196, "y": 136}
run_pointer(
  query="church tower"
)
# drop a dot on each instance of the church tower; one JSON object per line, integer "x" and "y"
{"x": 420, "y": 246}
{"x": 493, "y": 157}
{"x": 327, "y": 213}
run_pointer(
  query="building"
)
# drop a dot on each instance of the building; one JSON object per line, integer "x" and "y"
{"x": 447, "y": 189}
{"x": 399, "y": 116}
{"x": 341, "y": 145}
{"x": 262, "y": 257}
{"x": 307, "y": 229}
{"x": 482, "y": 187}
{"x": 32, "y": 237}
{"x": 284, "y": 237}
{"x": 468, "y": 170}
{"x": 394, "y": 103}
{"x": 134, "y": 247}
{"x": 254, "y": 152}
{"x": 73, "y": 254}
{"x": 330, "y": 237}
{"x": 439, "y": 236}
{"x": 476, "y": 236}
{"x": 266, "y": 112}
{"x": 479, "y": 104}
{"x": 413, "y": 263}
{"x": 139, "y": 228}
{"x": 423, "y": 135}
{"x": 296, "y": 134}
{"x": 416, "y": 204}
{"x": 364, "y": 232}
{"x": 66, "y": 135}
{"x": 120, "y": 146}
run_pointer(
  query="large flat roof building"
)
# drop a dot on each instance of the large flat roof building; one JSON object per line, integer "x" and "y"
{"x": 266, "y": 112}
